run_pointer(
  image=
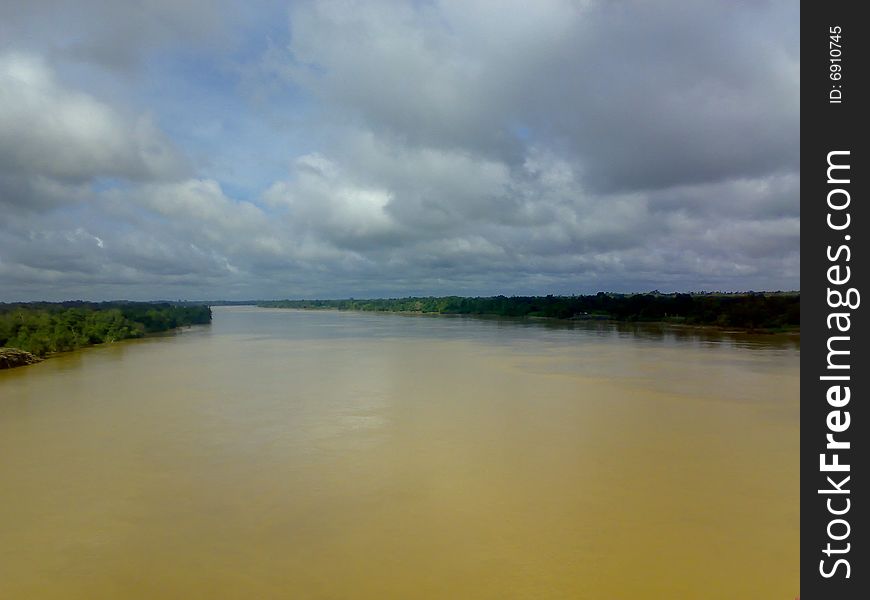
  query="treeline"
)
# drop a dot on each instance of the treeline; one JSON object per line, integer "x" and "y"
{"x": 45, "y": 327}
{"x": 772, "y": 311}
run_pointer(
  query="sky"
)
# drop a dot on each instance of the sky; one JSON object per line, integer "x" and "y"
{"x": 208, "y": 149}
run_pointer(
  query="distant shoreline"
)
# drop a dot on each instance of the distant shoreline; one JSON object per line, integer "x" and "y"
{"x": 754, "y": 312}
{"x": 795, "y": 332}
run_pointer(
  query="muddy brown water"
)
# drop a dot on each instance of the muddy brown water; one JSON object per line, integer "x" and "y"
{"x": 326, "y": 455}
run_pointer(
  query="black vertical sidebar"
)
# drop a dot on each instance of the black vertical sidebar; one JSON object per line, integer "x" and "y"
{"x": 835, "y": 370}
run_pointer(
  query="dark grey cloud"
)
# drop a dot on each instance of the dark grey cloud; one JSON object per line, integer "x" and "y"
{"x": 642, "y": 95}
{"x": 111, "y": 34}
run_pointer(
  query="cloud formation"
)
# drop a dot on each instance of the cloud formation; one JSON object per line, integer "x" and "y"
{"x": 414, "y": 148}
{"x": 55, "y": 136}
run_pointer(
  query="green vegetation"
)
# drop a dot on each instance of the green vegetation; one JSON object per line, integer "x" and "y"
{"x": 767, "y": 311}
{"x": 42, "y": 327}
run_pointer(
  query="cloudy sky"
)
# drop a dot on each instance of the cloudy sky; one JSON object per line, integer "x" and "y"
{"x": 205, "y": 149}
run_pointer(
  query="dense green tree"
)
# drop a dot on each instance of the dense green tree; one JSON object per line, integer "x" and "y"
{"x": 42, "y": 328}
{"x": 773, "y": 311}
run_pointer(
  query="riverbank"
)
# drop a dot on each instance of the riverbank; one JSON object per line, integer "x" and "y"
{"x": 43, "y": 329}
{"x": 604, "y": 320}
{"x": 755, "y": 312}
{"x": 13, "y": 357}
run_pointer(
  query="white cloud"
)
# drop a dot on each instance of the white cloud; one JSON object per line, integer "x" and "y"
{"x": 63, "y": 134}
{"x": 322, "y": 200}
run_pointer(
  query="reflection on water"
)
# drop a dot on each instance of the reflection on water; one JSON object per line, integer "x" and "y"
{"x": 292, "y": 454}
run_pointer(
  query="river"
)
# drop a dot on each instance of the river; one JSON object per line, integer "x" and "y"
{"x": 326, "y": 455}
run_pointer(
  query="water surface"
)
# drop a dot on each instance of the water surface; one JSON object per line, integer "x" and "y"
{"x": 325, "y": 455}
